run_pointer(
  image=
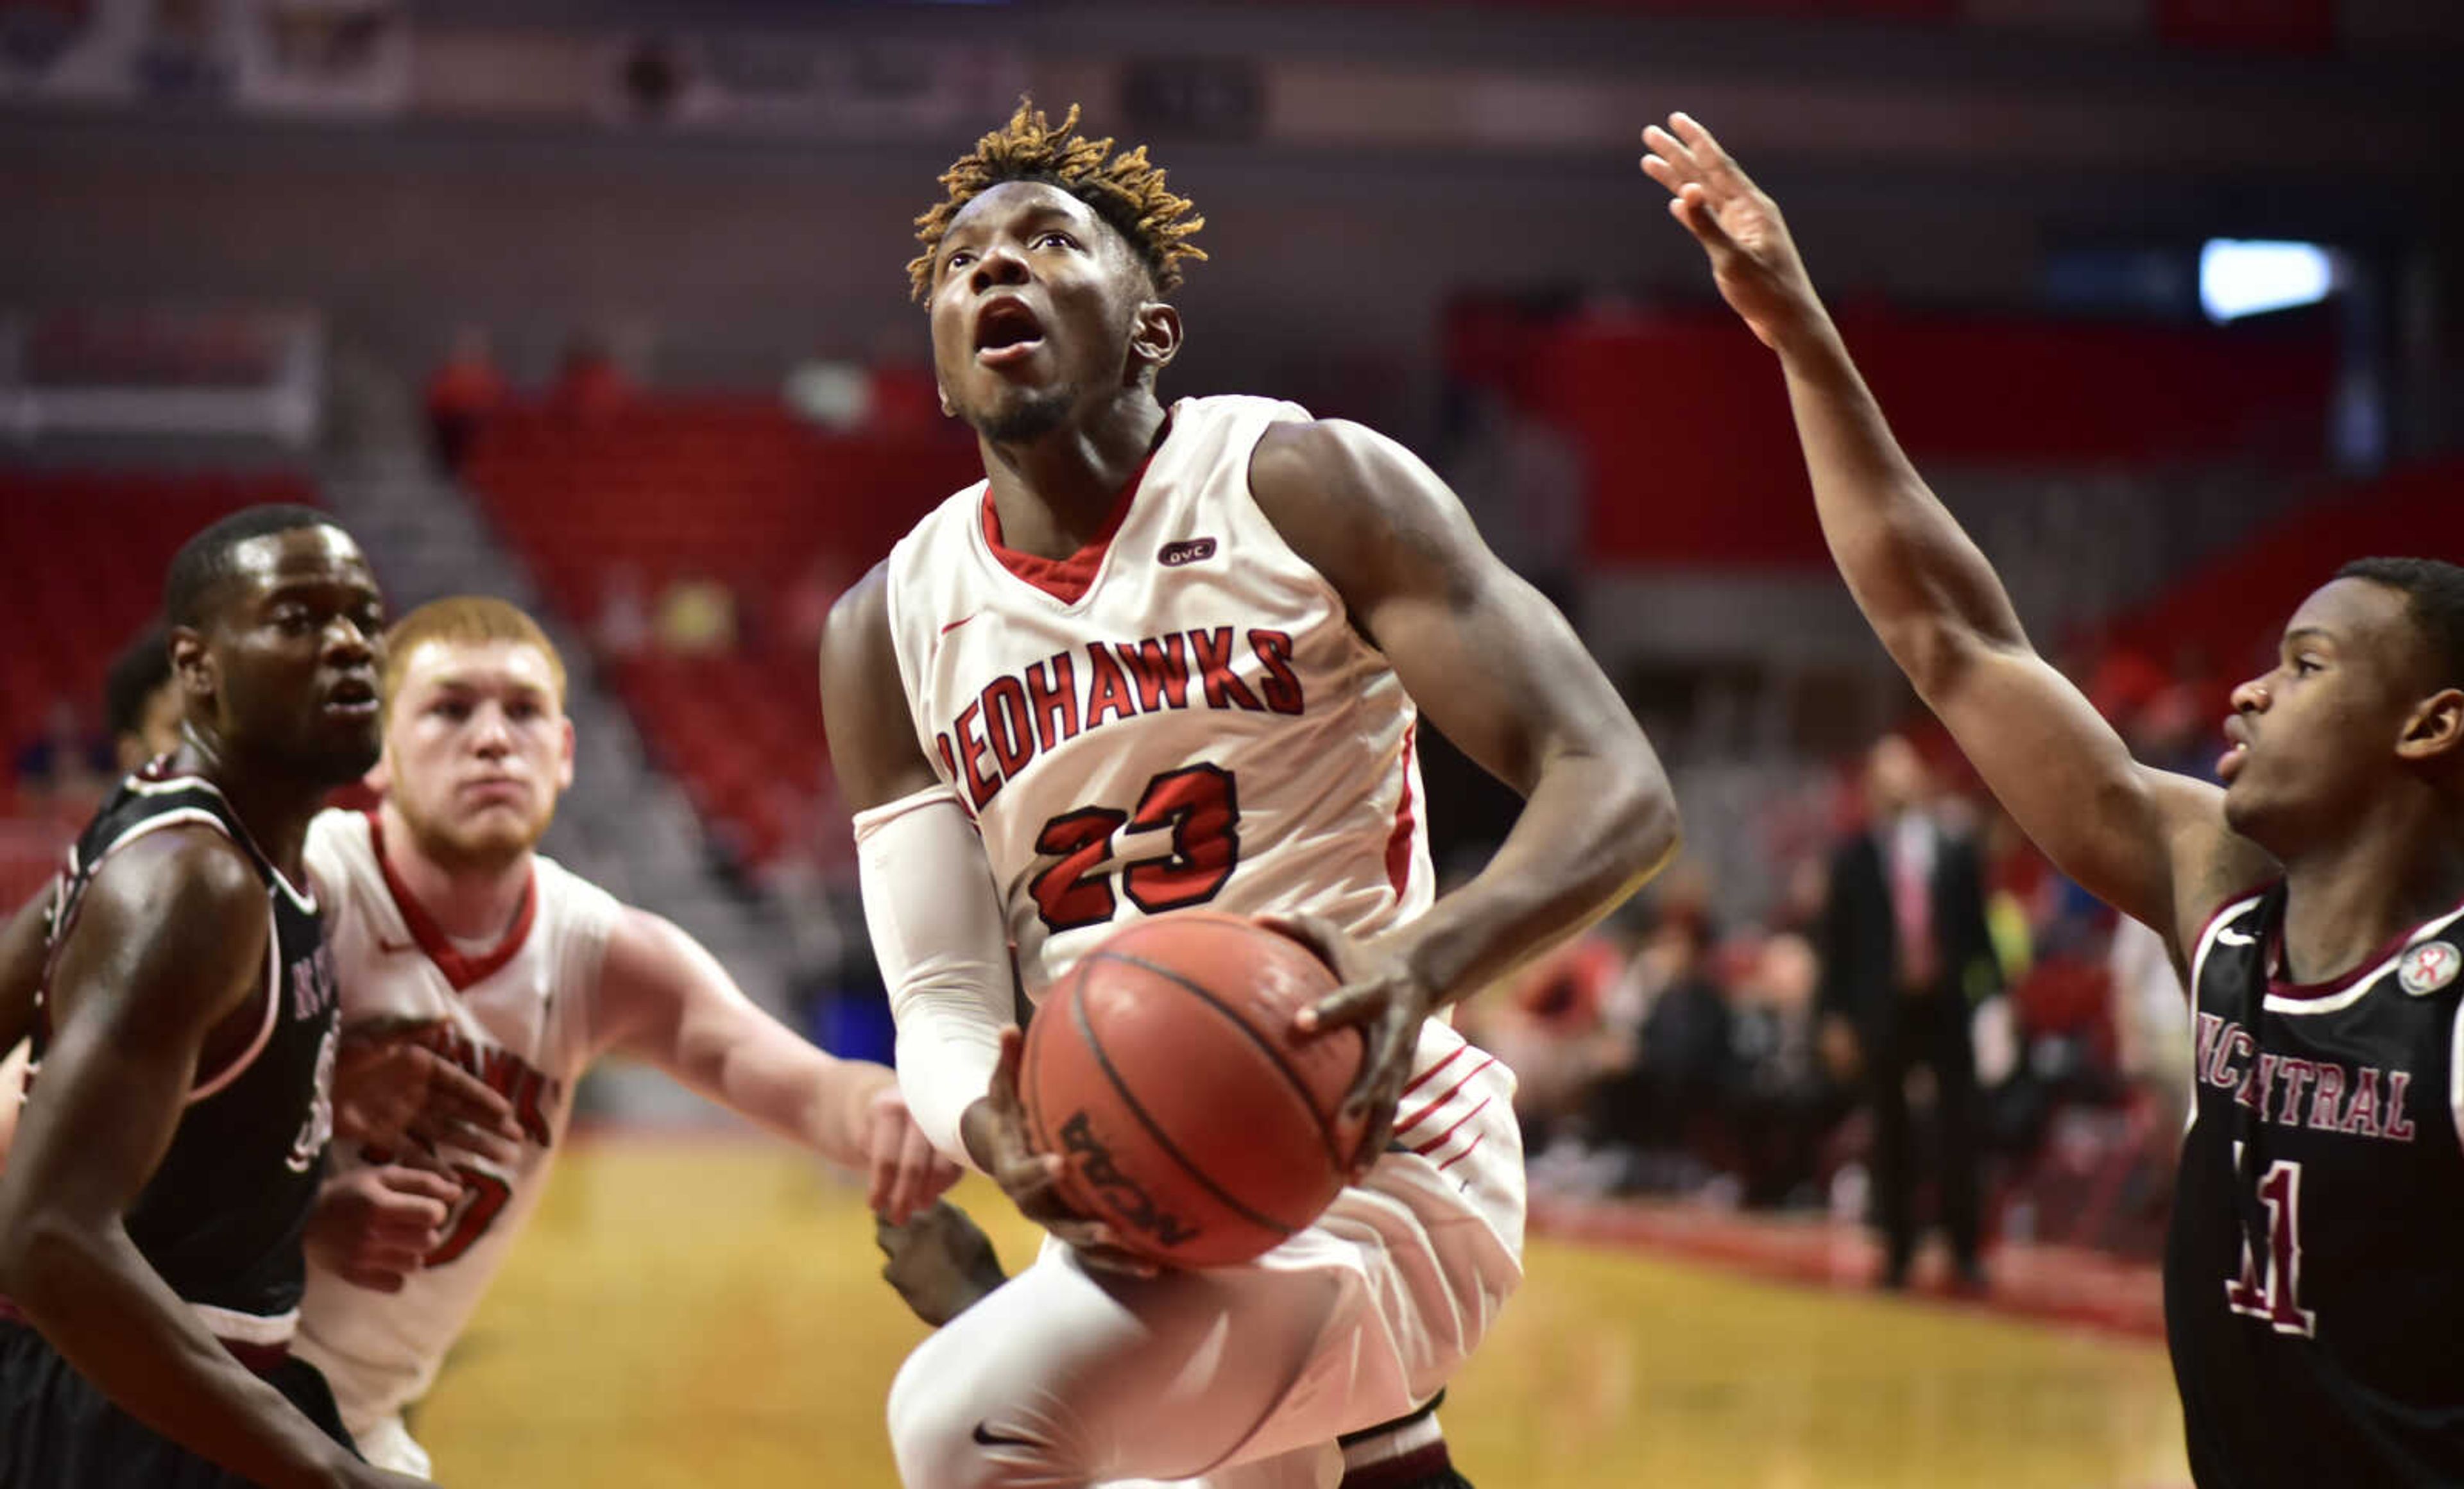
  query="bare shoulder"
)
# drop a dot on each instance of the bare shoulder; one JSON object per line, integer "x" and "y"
{"x": 864, "y": 699}
{"x": 173, "y": 912}
{"x": 646, "y": 949}
{"x": 1361, "y": 507}
{"x": 855, "y": 638}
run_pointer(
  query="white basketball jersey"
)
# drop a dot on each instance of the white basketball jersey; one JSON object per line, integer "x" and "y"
{"x": 1201, "y": 726}
{"x": 518, "y": 1016}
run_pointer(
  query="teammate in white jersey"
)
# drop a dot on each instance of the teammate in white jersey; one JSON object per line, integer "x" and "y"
{"x": 445, "y": 921}
{"x": 1163, "y": 658}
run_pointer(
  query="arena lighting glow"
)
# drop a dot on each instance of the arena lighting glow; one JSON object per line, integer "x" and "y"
{"x": 2244, "y": 276}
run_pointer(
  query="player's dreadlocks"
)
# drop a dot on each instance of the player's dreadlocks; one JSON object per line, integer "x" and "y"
{"x": 1125, "y": 190}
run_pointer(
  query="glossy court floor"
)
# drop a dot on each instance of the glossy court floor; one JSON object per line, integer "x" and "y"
{"x": 705, "y": 1313}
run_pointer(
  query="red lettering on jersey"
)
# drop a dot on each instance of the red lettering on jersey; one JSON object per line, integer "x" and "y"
{"x": 971, "y": 756}
{"x": 949, "y": 760}
{"x": 2394, "y": 1125}
{"x": 1108, "y": 692}
{"x": 1052, "y": 696}
{"x": 1006, "y": 720}
{"x": 530, "y": 1105}
{"x": 2331, "y": 1096}
{"x": 1213, "y": 652}
{"x": 1161, "y": 671}
{"x": 2256, "y": 1085}
{"x": 2235, "y": 1044}
{"x": 1282, "y": 689}
{"x": 2298, "y": 1074}
{"x": 2210, "y": 1025}
{"x": 2361, "y": 1115}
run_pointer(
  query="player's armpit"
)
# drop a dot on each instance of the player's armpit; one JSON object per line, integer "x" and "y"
{"x": 1493, "y": 665}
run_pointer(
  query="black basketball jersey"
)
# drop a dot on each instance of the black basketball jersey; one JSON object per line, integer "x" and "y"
{"x": 2313, "y": 1273}
{"x": 221, "y": 1218}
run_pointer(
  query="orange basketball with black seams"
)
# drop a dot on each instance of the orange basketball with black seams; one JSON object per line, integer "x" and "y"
{"x": 1188, "y": 1116}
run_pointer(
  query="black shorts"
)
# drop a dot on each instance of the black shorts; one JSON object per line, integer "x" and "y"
{"x": 56, "y": 1429}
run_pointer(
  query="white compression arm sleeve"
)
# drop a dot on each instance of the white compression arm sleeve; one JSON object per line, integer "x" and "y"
{"x": 936, "y": 918}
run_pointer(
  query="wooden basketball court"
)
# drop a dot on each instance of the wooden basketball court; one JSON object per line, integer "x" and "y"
{"x": 705, "y": 1313}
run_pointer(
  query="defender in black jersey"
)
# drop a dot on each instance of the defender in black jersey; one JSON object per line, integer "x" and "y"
{"x": 2314, "y": 1279}
{"x": 176, "y": 1122}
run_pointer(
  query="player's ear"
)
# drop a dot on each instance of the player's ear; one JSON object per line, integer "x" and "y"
{"x": 565, "y": 759}
{"x": 192, "y": 664}
{"x": 1155, "y": 338}
{"x": 2435, "y": 731}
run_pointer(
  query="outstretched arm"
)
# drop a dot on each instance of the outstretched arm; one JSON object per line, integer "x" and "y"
{"x": 2151, "y": 843}
{"x": 1500, "y": 672}
{"x": 664, "y": 998}
{"x": 170, "y": 942}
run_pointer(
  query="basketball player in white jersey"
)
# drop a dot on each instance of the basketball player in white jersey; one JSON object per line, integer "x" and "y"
{"x": 445, "y": 922}
{"x": 1170, "y": 657}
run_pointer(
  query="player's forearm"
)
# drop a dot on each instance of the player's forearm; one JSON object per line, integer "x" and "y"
{"x": 93, "y": 1297}
{"x": 1596, "y": 827}
{"x": 800, "y": 1093}
{"x": 1928, "y": 592}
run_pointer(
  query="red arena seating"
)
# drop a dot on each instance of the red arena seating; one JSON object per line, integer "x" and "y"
{"x": 733, "y": 491}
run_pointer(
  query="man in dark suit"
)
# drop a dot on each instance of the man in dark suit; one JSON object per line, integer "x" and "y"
{"x": 1904, "y": 952}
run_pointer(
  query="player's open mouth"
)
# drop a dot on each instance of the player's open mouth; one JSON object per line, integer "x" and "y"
{"x": 352, "y": 697}
{"x": 2237, "y": 750}
{"x": 1006, "y": 332}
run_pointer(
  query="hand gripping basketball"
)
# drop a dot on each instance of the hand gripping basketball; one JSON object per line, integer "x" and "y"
{"x": 1383, "y": 997}
{"x": 1163, "y": 1072}
{"x": 995, "y": 1131}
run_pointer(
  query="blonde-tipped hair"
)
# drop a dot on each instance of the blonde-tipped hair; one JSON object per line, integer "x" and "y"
{"x": 1126, "y": 190}
{"x": 465, "y": 617}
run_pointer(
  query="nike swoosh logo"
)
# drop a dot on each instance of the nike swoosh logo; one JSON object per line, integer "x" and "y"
{"x": 988, "y": 1438}
{"x": 2237, "y": 939}
{"x": 960, "y": 620}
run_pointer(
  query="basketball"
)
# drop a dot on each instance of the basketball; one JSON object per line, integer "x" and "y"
{"x": 1162, "y": 1069}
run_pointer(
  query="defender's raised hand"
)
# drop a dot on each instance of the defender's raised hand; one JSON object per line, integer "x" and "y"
{"x": 1753, "y": 261}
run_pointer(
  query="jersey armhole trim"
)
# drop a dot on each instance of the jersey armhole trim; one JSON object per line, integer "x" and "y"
{"x": 246, "y": 1057}
{"x": 2215, "y": 924}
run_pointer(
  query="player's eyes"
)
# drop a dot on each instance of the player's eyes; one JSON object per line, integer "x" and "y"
{"x": 958, "y": 259}
{"x": 1055, "y": 236}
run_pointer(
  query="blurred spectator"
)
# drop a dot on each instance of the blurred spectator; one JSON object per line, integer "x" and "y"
{"x": 588, "y": 383}
{"x": 140, "y": 703}
{"x": 1783, "y": 1102}
{"x": 1547, "y": 1025}
{"x": 622, "y": 628}
{"x": 1904, "y": 948}
{"x": 695, "y": 617}
{"x": 2151, "y": 1021}
{"x": 464, "y": 392}
{"x": 1665, "y": 1104}
{"x": 65, "y": 766}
